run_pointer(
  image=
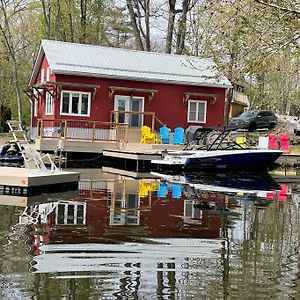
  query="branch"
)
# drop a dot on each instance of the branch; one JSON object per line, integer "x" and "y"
{"x": 291, "y": 11}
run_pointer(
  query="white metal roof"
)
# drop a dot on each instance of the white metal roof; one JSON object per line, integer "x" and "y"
{"x": 96, "y": 61}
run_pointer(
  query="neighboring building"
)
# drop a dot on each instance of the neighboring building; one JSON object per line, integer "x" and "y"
{"x": 84, "y": 82}
{"x": 240, "y": 101}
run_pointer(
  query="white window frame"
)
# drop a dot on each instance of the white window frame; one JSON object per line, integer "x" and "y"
{"x": 79, "y": 103}
{"x": 48, "y": 74}
{"x": 42, "y": 75}
{"x": 75, "y": 216}
{"x": 205, "y": 111}
{"x": 35, "y": 107}
{"x": 49, "y": 104}
{"x": 35, "y": 103}
{"x": 127, "y": 104}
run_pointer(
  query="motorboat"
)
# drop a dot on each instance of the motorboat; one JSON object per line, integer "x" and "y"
{"x": 214, "y": 149}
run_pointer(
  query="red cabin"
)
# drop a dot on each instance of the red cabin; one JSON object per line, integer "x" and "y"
{"x": 82, "y": 90}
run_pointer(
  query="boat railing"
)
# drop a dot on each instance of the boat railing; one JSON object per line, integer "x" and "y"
{"x": 216, "y": 140}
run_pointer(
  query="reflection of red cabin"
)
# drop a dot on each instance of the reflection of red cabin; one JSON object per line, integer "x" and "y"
{"x": 128, "y": 217}
{"x": 75, "y": 82}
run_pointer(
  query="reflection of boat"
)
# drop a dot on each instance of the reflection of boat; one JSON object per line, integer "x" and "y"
{"x": 258, "y": 184}
{"x": 11, "y": 155}
{"x": 146, "y": 256}
{"x": 213, "y": 149}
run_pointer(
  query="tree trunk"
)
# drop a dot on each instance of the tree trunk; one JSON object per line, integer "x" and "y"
{"x": 171, "y": 24}
{"x": 83, "y": 8}
{"x": 47, "y": 18}
{"x": 182, "y": 27}
{"x": 147, "y": 25}
{"x": 137, "y": 36}
{"x": 69, "y": 5}
{"x": 57, "y": 20}
{"x": 228, "y": 105}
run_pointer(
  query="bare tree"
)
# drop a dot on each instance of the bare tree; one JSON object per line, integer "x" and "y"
{"x": 57, "y": 20}
{"x": 139, "y": 12}
{"x": 171, "y": 25}
{"x": 83, "y": 20}
{"x": 69, "y": 5}
{"x": 46, "y": 4}
{"x": 186, "y": 6}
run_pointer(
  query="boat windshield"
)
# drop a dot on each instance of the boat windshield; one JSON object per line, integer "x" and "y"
{"x": 216, "y": 140}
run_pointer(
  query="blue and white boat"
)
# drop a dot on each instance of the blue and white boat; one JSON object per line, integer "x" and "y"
{"x": 213, "y": 149}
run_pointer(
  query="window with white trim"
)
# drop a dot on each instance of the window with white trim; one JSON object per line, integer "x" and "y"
{"x": 35, "y": 103}
{"x": 49, "y": 104}
{"x": 48, "y": 74}
{"x": 71, "y": 214}
{"x": 75, "y": 103}
{"x": 42, "y": 75}
{"x": 197, "y": 111}
{"x": 35, "y": 108}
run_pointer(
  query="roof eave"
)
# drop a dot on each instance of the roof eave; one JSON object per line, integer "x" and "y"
{"x": 204, "y": 84}
{"x": 35, "y": 69}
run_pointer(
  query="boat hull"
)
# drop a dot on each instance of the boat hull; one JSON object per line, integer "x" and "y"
{"x": 237, "y": 160}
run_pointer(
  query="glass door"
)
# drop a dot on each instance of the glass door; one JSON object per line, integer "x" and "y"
{"x": 136, "y": 105}
{"x": 120, "y": 105}
{"x": 132, "y": 104}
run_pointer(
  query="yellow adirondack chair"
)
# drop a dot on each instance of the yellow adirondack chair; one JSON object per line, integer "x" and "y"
{"x": 241, "y": 140}
{"x": 147, "y": 136}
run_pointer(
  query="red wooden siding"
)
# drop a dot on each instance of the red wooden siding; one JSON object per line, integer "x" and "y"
{"x": 167, "y": 103}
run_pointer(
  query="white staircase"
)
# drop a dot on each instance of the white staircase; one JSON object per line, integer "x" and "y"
{"x": 32, "y": 158}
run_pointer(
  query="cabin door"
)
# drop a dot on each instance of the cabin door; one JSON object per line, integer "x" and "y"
{"x": 132, "y": 105}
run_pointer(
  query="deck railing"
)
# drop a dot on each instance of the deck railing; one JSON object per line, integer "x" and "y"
{"x": 82, "y": 130}
{"x": 136, "y": 118}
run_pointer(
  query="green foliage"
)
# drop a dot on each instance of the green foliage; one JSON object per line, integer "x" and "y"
{"x": 5, "y": 114}
{"x": 254, "y": 43}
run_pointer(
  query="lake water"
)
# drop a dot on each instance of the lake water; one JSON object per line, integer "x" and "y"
{"x": 208, "y": 237}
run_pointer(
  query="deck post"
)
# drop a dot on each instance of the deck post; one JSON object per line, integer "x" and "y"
{"x": 94, "y": 131}
{"x": 152, "y": 125}
{"x": 65, "y": 130}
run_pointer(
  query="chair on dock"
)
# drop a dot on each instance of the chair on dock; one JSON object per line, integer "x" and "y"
{"x": 241, "y": 141}
{"x": 178, "y": 138}
{"x": 273, "y": 141}
{"x": 263, "y": 142}
{"x": 284, "y": 142}
{"x": 164, "y": 132}
{"x": 147, "y": 136}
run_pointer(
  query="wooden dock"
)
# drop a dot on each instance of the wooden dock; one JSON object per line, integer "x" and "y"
{"x": 136, "y": 157}
{"x": 25, "y": 182}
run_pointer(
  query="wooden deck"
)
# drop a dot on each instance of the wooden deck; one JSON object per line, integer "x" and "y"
{"x": 86, "y": 146}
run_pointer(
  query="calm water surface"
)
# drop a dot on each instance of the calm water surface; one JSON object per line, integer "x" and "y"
{"x": 212, "y": 237}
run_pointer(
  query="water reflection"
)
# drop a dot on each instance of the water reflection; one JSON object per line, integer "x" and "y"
{"x": 170, "y": 237}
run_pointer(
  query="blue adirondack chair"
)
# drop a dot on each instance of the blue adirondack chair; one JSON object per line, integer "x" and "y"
{"x": 178, "y": 138}
{"x": 164, "y": 133}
